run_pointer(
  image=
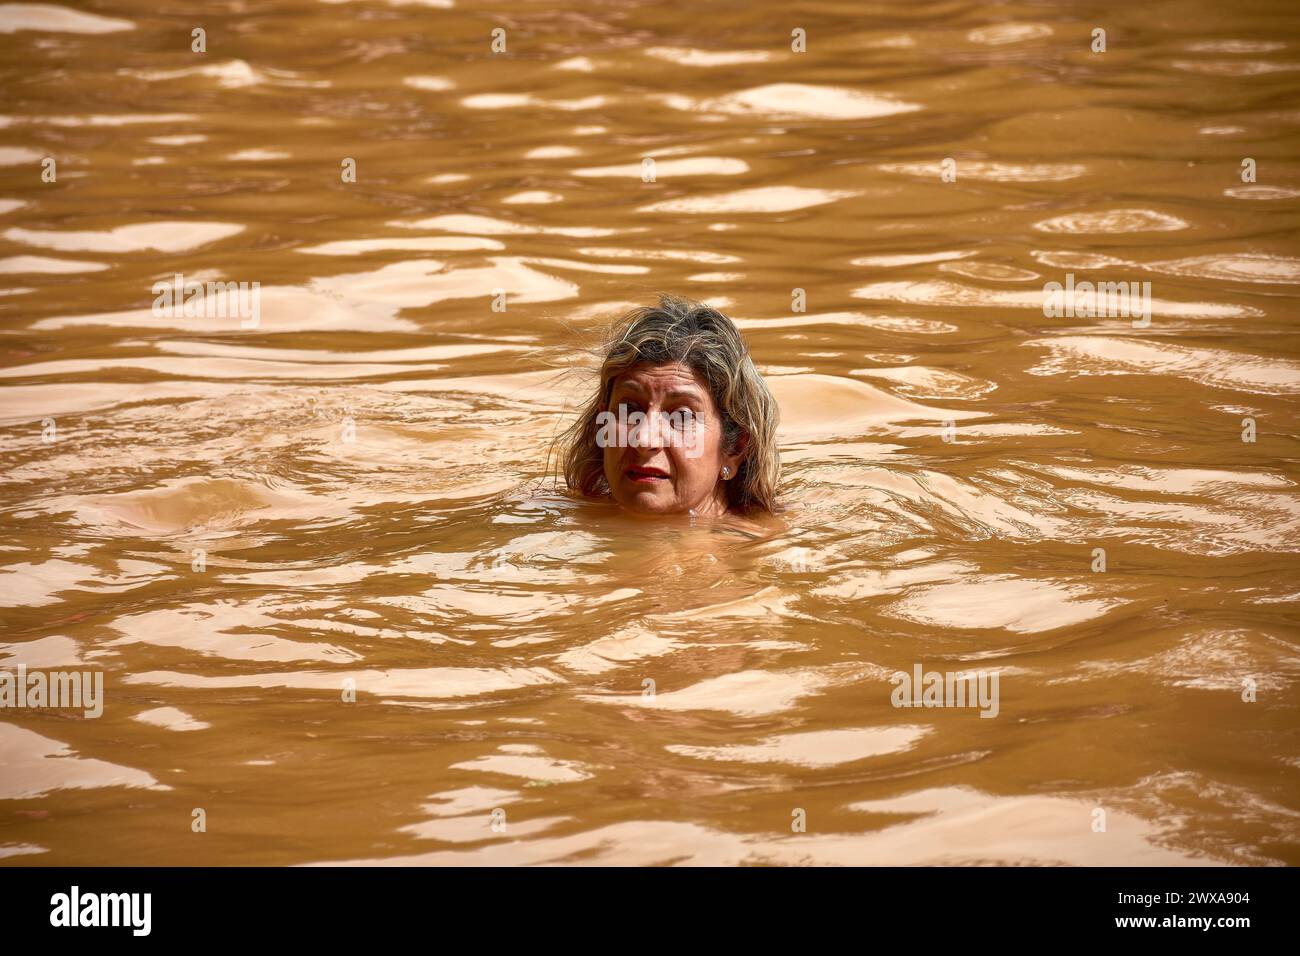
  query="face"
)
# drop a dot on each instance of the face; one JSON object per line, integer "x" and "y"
{"x": 670, "y": 463}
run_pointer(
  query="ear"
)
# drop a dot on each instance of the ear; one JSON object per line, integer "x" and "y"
{"x": 733, "y": 460}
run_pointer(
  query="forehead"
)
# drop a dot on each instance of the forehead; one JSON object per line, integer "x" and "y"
{"x": 661, "y": 379}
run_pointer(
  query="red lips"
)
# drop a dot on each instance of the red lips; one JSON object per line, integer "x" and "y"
{"x": 641, "y": 473}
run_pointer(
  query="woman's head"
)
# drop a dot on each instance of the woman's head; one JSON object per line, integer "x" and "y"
{"x": 681, "y": 421}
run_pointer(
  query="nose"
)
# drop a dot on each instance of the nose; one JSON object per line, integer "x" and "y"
{"x": 648, "y": 433}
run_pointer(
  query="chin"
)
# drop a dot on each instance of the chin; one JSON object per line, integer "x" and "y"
{"x": 644, "y": 504}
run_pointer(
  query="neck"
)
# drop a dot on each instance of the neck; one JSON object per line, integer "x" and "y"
{"x": 715, "y": 505}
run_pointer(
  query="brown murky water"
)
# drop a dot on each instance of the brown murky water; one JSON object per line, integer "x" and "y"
{"x": 236, "y": 525}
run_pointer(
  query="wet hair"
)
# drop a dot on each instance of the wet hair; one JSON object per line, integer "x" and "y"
{"x": 681, "y": 331}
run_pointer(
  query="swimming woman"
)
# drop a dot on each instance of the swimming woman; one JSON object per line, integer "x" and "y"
{"x": 681, "y": 422}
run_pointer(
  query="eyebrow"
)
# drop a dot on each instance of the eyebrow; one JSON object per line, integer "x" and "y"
{"x": 675, "y": 393}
